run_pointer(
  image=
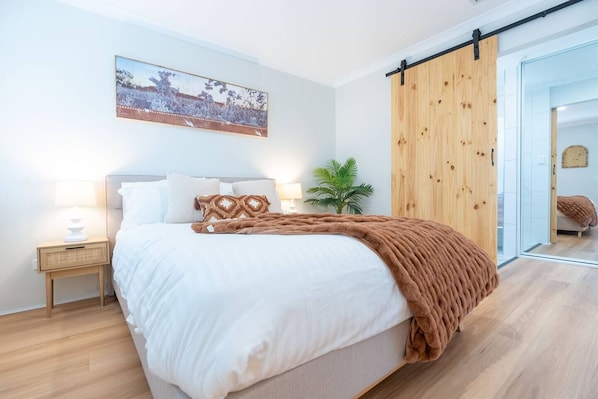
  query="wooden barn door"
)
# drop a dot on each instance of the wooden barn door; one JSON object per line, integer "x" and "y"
{"x": 444, "y": 143}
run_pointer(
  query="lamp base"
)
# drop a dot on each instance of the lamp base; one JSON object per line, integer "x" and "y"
{"x": 76, "y": 231}
{"x": 76, "y": 237}
{"x": 292, "y": 210}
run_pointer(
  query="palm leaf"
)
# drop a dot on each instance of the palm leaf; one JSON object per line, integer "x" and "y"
{"x": 336, "y": 187}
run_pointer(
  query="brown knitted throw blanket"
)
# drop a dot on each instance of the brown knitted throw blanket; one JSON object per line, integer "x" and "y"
{"x": 442, "y": 274}
{"x": 579, "y": 208}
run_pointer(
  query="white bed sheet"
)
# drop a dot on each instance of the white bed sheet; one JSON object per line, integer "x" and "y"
{"x": 221, "y": 312}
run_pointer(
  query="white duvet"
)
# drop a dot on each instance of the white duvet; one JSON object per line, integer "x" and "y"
{"x": 221, "y": 312}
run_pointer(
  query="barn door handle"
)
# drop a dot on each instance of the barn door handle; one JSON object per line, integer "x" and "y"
{"x": 492, "y": 156}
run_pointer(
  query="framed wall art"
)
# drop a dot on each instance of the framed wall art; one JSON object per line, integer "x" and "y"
{"x": 153, "y": 93}
{"x": 575, "y": 156}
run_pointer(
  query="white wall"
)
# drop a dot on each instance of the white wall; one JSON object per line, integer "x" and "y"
{"x": 578, "y": 181}
{"x": 57, "y": 121}
{"x": 508, "y": 111}
{"x": 535, "y": 167}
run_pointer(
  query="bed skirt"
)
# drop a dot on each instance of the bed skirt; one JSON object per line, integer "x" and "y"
{"x": 340, "y": 374}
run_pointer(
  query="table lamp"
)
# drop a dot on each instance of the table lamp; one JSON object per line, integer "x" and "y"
{"x": 291, "y": 192}
{"x": 75, "y": 193}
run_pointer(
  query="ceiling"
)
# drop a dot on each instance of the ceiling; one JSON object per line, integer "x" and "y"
{"x": 583, "y": 113}
{"x": 327, "y": 41}
{"x": 571, "y": 70}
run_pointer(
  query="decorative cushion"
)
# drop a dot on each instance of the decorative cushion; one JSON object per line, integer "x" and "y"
{"x": 181, "y": 194}
{"x": 221, "y": 207}
{"x": 260, "y": 187}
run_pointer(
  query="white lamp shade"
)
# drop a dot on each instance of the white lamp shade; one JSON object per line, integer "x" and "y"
{"x": 290, "y": 191}
{"x": 75, "y": 193}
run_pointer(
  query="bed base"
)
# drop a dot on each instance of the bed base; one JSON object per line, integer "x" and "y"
{"x": 345, "y": 373}
{"x": 341, "y": 374}
{"x": 565, "y": 223}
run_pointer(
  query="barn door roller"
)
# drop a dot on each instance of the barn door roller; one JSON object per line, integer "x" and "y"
{"x": 476, "y": 44}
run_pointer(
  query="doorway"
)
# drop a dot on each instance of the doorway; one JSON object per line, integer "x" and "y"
{"x": 575, "y": 143}
{"x": 556, "y": 89}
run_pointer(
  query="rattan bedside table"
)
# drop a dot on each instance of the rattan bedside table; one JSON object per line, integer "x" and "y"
{"x": 59, "y": 259}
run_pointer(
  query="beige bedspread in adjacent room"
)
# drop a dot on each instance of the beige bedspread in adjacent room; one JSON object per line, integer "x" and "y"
{"x": 442, "y": 274}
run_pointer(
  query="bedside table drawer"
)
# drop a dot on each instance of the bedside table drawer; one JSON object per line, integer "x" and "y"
{"x": 75, "y": 255}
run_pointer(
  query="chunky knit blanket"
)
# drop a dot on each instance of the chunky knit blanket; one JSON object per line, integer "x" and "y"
{"x": 579, "y": 208}
{"x": 442, "y": 274}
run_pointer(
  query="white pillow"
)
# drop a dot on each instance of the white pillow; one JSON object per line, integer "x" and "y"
{"x": 226, "y": 188}
{"x": 182, "y": 191}
{"x": 260, "y": 187}
{"x": 143, "y": 203}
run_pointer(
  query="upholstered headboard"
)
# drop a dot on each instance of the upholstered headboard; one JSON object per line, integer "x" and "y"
{"x": 114, "y": 205}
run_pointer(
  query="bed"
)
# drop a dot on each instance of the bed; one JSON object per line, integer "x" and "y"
{"x": 575, "y": 213}
{"x": 345, "y": 366}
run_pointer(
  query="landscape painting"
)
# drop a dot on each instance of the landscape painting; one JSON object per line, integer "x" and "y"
{"x": 153, "y": 93}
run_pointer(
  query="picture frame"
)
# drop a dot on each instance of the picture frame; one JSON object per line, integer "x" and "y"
{"x": 575, "y": 156}
{"x": 157, "y": 94}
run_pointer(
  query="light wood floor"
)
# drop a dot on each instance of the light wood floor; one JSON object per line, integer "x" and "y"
{"x": 536, "y": 336}
{"x": 83, "y": 351}
{"x": 569, "y": 245}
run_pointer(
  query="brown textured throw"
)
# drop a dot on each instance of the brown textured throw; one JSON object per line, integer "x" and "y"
{"x": 442, "y": 274}
{"x": 579, "y": 208}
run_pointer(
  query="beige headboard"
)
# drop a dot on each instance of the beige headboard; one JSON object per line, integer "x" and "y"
{"x": 114, "y": 205}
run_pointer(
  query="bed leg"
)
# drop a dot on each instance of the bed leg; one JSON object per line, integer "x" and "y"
{"x": 461, "y": 327}
{"x": 579, "y": 234}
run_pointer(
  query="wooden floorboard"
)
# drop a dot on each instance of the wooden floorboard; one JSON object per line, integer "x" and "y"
{"x": 83, "y": 351}
{"x": 536, "y": 336}
{"x": 570, "y": 245}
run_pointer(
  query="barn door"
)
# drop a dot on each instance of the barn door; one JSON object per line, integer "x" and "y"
{"x": 444, "y": 143}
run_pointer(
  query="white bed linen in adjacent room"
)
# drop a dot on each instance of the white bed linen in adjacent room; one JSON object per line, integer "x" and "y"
{"x": 221, "y": 312}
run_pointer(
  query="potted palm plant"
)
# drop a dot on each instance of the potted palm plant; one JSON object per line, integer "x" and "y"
{"x": 336, "y": 187}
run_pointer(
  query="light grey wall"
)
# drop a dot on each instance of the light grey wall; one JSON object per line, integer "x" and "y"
{"x": 363, "y": 132}
{"x": 57, "y": 121}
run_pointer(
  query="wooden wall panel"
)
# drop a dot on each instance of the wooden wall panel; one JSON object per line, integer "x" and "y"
{"x": 443, "y": 133}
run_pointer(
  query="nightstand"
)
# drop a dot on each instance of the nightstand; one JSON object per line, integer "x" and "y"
{"x": 59, "y": 259}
